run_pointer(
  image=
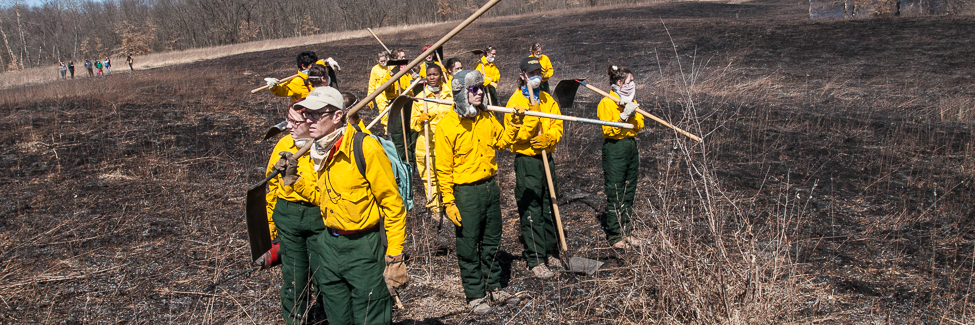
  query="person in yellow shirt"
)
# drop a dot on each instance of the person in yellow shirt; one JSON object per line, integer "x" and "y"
{"x": 379, "y": 75}
{"x": 466, "y": 142}
{"x": 492, "y": 76}
{"x": 295, "y": 222}
{"x": 299, "y": 87}
{"x": 452, "y": 65}
{"x": 356, "y": 268}
{"x": 621, "y": 159}
{"x": 531, "y": 187}
{"x": 434, "y": 88}
{"x": 428, "y": 61}
{"x": 547, "y": 69}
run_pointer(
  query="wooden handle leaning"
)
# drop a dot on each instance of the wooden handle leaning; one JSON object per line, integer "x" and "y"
{"x": 555, "y": 203}
{"x": 388, "y": 107}
{"x": 651, "y": 116}
{"x": 279, "y": 82}
{"x": 377, "y": 39}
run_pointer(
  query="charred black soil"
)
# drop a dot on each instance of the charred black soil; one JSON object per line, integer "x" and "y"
{"x": 834, "y": 183}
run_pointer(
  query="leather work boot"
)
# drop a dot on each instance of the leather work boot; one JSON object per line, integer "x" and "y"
{"x": 555, "y": 264}
{"x": 501, "y": 297}
{"x": 542, "y": 272}
{"x": 480, "y": 306}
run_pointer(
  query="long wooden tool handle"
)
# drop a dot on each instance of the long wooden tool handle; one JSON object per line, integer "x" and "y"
{"x": 279, "y": 82}
{"x": 551, "y": 185}
{"x": 423, "y": 55}
{"x": 555, "y": 203}
{"x": 443, "y": 69}
{"x": 377, "y": 39}
{"x": 540, "y": 114}
{"x": 388, "y": 107}
{"x": 638, "y": 110}
{"x": 486, "y": 92}
{"x": 426, "y": 142}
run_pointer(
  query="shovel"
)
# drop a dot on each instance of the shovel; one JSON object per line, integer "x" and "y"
{"x": 584, "y": 265}
{"x": 276, "y": 129}
{"x": 565, "y": 92}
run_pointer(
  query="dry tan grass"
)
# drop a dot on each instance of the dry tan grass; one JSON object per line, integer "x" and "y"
{"x": 40, "y": 75}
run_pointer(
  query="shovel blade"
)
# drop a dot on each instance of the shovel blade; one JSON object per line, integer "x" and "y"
{"x": 276, "y": 129}
{"x": 584, "y": 265}
{"x": 255, "y": 213}
{"x": 565, "y": 92}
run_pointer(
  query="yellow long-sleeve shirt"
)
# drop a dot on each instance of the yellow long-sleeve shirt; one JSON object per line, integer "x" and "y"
{"x": 350, "y": 202}
{"x": 275, "y": 191}
{"x": 377, "y": 77}
{"x": 297, "y": 88}
{"x": 465, "y": 149}
{"x": 547, "y": 69}
{"x": 609, "y": 110}
{"x": 436, "y": 111}
{"x": 535, "y": 126}
{"x": 490, "y": 71}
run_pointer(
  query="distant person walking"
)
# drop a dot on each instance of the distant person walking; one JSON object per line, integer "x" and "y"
{"x": 491, "y": 75}
{"x": 129, "y": 61}
{"x": 62, "y": 68}
{"x": 88, "y": 67}
{"x": 621, "y": 158}
{"x": 71, "y": 68}
{"x": 98, "y": 66}
{"x": 547, "y": 69}
{"x": 108, "y": 66}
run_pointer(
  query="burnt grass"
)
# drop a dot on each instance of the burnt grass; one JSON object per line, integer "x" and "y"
{"x": 834, "y": 183}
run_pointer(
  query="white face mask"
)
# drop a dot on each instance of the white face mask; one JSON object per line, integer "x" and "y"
{"x": 627, "y": 91}
{"x": 433, "y": 89}
{"x": 535, "y": 81}
{"x": 301, "y": 142}
{"x": 490, "y": 60}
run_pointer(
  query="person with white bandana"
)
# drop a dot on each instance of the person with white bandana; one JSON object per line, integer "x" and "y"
{"x": 621, "y": 158}
{"x": 430, "y": 113}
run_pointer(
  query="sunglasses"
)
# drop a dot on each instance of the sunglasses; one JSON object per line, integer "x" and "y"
{"x": 315, "y": 116}
{"x": 476, "y": 89}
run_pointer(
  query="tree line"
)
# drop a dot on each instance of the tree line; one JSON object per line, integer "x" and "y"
{"x": 75, "y": 30}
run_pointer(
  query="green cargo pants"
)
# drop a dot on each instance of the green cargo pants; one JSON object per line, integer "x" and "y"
{"x": 478, "y": 236}
{"x": 298, "y": 225}
{"x": 621, "y": 167}
{"x": 535, "y": 208}
{"x": 351, "y": 278}
{"x": 495, "y": 100}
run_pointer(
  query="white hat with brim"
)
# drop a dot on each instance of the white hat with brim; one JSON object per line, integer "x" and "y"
{"x": 321, "y": 97}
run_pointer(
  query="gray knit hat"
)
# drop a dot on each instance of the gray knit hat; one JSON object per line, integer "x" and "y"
{"x": 462, "y": 80}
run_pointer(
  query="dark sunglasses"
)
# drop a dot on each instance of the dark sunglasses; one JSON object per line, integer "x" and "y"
{"x": 476, "y": 89}
{"x": 315, "y": 116}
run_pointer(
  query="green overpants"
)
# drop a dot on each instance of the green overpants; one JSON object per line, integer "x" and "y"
{"x": 544, "y": 86}
{"x": 351, "y": 278}
{"x": 298, "y": 226}
{"x": 535, "y": 208}
{"x": 395, "y": 130}
{"x": 478, "y": 236}
{"x": 621, "y": 166}
{"x": 495, "y": 100}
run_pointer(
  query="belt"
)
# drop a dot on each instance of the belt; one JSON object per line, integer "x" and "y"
{"x": 307, "y": 204}
{"x": 340, "y": 232}
{"x": 475, "y": 183}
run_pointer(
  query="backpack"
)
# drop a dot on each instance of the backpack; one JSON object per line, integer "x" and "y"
{"x": 401, "y": 170}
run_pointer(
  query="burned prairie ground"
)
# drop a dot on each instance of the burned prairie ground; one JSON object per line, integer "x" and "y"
{"x": 834, "y": 183}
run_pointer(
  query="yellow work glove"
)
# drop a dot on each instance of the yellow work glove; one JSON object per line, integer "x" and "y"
{"x": 493, "y": 84}
{"x": 423, "y": 117}
{"x": 395, "y": 274}
{"x": 542, "y": 141}
{"x": 518, "y": 116}
{"x": 534, "y": 107}
{"x": 452, "y": 213}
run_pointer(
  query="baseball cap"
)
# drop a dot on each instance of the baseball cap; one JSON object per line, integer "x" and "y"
{"x": 321, "y": 97}
{"x": 530, "y": 64}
